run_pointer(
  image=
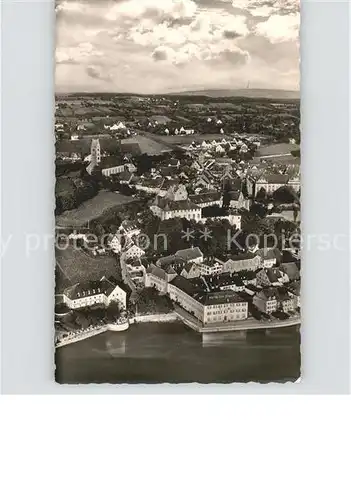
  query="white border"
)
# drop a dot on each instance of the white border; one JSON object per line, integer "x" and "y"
{"x": 27, "y": 200}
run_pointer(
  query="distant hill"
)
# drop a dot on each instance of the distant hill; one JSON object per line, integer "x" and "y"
{"x": 249, "y": 93}
{"x": 214, "y": 94}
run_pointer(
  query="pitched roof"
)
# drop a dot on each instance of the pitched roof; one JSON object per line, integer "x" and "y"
{"x": 205, "y": 197}
{"x": 172, "y": 205}
{"x": 157, "y": 271}
{"x": 268, "y": 293}
{"x": 241, "y": 256}
{"x": 266, "y": 253}
{"x": 291, "y": 269}
{"x": 80, "y": 290}
{"x": 189, "y": 253}
{"x": 221, "y": 297}
{"x": 274, "y": 179}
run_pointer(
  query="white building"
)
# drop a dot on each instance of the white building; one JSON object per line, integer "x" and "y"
{"x": 241, "y": 262}
{"x": 266, "y": 300}
{"x": 210, "y": 267}
{"x": 114, "y": 242}
{"x": 129, "y": 228}
{"x": 118, "y": 169}
{"x": 175, "y": 204}
{"x": 190, "y": 255}
{"x": 96, "y": 292}
{"x": 268, "y": 257}
{"x": 159, "y": 278}
{"x": 208, "y": 307}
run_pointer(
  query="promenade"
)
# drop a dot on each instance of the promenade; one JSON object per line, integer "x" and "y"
{"x": 246, "y": 324}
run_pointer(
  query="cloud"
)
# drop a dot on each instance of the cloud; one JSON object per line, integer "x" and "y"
{"x": 156, "y": 9}
{"x": 160, "y": 54}
{"x": 97, "y": 74}
{"x": 230, "y": 35}
{"x": 154, "y": 45}
{"x": 280, "y": 28}
{"x": 81, "y": 52}
{"x": 265, "y": 8}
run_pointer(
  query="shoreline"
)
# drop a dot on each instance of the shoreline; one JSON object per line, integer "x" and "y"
{"x": 174, "y": 317}
{"x": 243, "y": 325}
{"x": 73, "y": 337}
{"x": 155, "y": 318}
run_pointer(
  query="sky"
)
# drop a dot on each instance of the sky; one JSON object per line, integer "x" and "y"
{"x": 156, "y": 46}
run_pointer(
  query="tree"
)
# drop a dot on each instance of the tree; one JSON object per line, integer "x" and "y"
{"x": 285, "y": 194}
{"x": 113, "y": 311}
{"x": 258, "y": 209}
{"x": 261, "y": 195}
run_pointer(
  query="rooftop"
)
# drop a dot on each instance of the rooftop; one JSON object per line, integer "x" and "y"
{"x": 80, "y": 290}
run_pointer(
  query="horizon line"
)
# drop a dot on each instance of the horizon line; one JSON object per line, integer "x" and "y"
{"x": 176, "y": 91}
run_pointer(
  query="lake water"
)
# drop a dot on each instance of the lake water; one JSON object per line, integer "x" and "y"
{"x": 172, "y": 352}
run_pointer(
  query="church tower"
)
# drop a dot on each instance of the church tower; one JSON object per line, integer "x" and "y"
{"x": 95, "y": 154}
{"x": 95, "y": 151}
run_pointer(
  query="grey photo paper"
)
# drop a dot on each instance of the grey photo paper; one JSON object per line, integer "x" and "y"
{"x": 177, "y": 130}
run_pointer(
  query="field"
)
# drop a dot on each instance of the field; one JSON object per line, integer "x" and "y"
{"x": 161, "y": 119}
{"x": 148, "y": 144}
{"x": 75, "y": 266}
{"x": 277, "y": 149}
{"x": 92, "y": 209}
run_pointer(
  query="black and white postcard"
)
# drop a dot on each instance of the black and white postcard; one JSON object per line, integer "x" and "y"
{"x": 177, "y": 129}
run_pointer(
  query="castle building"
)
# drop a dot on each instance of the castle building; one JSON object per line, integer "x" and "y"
{"x": 175, "y": 204}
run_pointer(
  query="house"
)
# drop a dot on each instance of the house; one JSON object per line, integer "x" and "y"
{"x": 190, "y": 255}
{"x": 268, "y": 257}
{"x": 129, "y": 228}
{"x": 210, "y": 267}
{"x": 92, "y": 293}
{"x": 174, "y": 163}
{"x": 133, "y": 252}
{"x": 159, "y": 278}
{"x": 82, "y": 237}
{"x": 117, "y": 126}
{"x": 286, "y": 301}
{"x": 270, "y": 277}
{"x": 136, "y": 271}
{"x": 114, "y": 242}
{"x": 266, "y": 300}
{"x": 237, "y": 200}
{"x": 228, "y": 281}
{"x": 294, "y": 292}
{"x": 151, "y": 186}
{"x": 206, "y": 180}
{"x": 252, "y": 290}
{"x": 291, "y": 270}
{"x": 240, "y": 262}
{"x": 190, "y": 270}
{"x": 248, "y": 277}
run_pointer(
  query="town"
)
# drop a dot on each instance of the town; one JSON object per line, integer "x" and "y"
{"x": 176, "y": 208}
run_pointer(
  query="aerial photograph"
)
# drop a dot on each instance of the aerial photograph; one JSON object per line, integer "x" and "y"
{"x": 177, "y": 196}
